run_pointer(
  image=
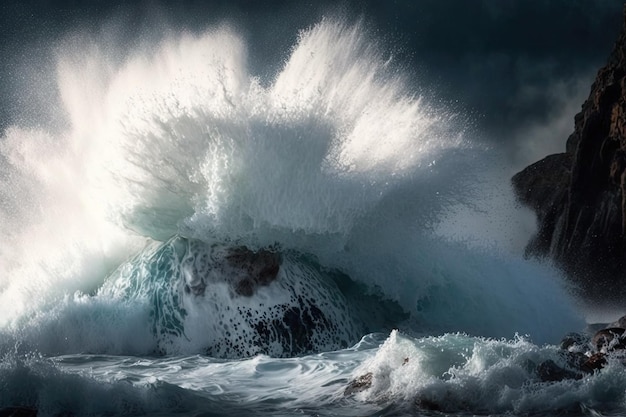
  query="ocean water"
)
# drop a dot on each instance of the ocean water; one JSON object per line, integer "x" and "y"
{"x": 381, "y": 233}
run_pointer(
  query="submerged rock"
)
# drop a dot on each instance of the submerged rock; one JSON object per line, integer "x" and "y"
{"x": 243, "y": 269}
{"x": 604, "y": 341}
{"x": 549, "y": 371}
{"x": 359, "y": 384}
{"x": 574, "y": 341}
{"x": 594, "y": 362}
{"x": 609, "y": 339}
{"x": 259, "y": 268}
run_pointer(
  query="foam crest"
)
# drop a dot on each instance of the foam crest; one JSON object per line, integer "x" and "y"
{"x": 194, "y": 140}
{"x": 381, "y": 129}
{"x": 335, "y": 157}
{"x": 455, "y": 373}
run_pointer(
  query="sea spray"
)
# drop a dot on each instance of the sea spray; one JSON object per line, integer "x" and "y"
{"x": 455, "y": 373}
{"x": 337, "y": 165}
{"x": 335, "y": 158}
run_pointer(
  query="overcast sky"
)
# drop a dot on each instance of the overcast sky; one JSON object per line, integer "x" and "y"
{"x": 512, "y": 66}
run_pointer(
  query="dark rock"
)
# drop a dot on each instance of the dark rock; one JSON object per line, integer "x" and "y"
{"x": 360, "y": 384}
{"x": 579, "y": 196}
{"x": 543, "y": 187}
{"x": 260, "y": 268}
{"x": 609, "y": 339}
{"x": 549, "y": 371}
{"x": 595, "y": 362}
{"x": 574, "y": 341}
{"x": 574, "y": 360}
{"x": 578, "y": 363}
{"x": 427, "y": 404}
{"x": 244, "y": 269}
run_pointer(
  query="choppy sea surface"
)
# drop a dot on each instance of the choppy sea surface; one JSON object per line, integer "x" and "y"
{"x": 196, "y": 241}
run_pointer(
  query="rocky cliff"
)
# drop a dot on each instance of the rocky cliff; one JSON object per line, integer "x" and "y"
{"x": 579, "y": 196}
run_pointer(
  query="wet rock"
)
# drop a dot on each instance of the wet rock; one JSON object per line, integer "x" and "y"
{"x": 574, "y": 360}
{"x": 605, "y": 340}
{"x": 574, "y": 341}
{"x": 260, "y": 268}
{"x": 359, "y": 384}
{"x": 426, "y": 404}
{"x": 243, "y": 269}
{"x": 549, "y": 371}
{"x": 595, "y": 362}
{"x": 579, "y": 196}
{"x": 578, "y": 364}
{"x": 612, "y": 338}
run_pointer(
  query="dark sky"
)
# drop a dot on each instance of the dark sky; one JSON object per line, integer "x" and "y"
{"x": 505, "y": 63}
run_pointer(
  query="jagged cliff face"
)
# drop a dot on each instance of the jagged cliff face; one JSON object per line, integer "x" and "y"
{"x": 580, "y": 196}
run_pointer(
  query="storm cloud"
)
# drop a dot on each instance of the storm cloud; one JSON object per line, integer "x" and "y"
{"x": 509, "y": 66}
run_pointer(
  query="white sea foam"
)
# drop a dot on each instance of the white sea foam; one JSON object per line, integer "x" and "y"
{"x": 337, "y": 157}
{"x": 452, "y": 373}
{"x": 456, "y": 373}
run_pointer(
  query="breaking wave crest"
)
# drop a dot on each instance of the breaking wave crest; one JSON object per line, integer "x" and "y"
{"x": 336, "y": 165}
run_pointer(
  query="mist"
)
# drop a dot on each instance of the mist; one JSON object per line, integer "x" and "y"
{"x": 498, "y": 62}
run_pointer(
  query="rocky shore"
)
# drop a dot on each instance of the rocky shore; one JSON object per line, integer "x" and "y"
{"x": 585, "y": 353}
{"x": 580, "y": 356}
{"x": 579, "y": 196}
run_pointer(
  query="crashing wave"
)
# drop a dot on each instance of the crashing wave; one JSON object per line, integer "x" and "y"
{"x": 235, "y": 302}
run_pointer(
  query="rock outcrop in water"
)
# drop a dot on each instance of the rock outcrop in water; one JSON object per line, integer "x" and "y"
{"x": 581, "y": 354}
{"x": 579, "y": 196}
